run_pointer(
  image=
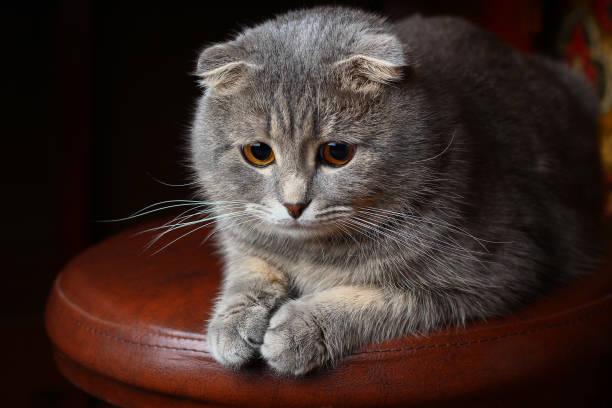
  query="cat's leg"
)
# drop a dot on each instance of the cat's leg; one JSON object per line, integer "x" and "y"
{"x": 319, "y": 329}
{"x": 251, "y": 292}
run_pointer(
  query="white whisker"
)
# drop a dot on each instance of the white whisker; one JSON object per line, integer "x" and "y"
{"x": 207, "y": 221}
{"x": 442, "y": 152}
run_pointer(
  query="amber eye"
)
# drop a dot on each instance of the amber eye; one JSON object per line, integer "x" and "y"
{"x": 336, "y": 153}
{"x": 258, "y": 154}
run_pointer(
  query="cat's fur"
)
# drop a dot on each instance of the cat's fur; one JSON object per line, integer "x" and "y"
{"x": 475, "y": 184}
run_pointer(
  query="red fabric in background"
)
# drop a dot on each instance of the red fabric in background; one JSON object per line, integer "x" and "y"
{"x": 514, "y": 21}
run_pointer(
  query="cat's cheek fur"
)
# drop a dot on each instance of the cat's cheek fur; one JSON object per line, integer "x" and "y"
{"x": 294, "y": 343}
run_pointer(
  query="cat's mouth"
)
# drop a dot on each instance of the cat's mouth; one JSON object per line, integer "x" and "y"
{"x": 303, "y": 228}
{"x": 301, "y": 225}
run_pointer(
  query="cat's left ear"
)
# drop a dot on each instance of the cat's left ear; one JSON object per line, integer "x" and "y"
{"x": 377, "y": 61}
{"x": 222, "y": 68}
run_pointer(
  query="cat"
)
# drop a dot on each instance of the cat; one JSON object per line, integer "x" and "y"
{"x": 372, "y": 180}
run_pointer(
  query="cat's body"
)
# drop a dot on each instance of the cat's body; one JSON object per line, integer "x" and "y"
{"x": 474, "y": 184}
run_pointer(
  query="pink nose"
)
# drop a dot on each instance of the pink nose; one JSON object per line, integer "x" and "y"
{"x": 295, "y": 210}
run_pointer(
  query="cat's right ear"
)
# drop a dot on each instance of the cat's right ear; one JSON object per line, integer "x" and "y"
{"x": 377, "y": 61}
{"x": 222, "y": 68}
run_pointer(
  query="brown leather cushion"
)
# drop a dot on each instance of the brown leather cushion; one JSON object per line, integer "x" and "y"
{"x": 128, "y": 327}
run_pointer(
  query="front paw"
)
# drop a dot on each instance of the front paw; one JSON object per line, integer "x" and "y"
{"x": 236, "y": 331}
{"x": 294, "y": 343}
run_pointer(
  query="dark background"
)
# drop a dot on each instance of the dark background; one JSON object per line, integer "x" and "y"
{"x": 97, "y": 100}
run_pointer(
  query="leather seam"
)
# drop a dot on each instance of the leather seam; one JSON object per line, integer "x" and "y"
{"x": 73, "y": 305}
{"x": 524, "y": 332}
{"x": 103, "y": 333}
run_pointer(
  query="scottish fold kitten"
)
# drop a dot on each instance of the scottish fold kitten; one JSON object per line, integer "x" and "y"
{"x": 374, "y": 180}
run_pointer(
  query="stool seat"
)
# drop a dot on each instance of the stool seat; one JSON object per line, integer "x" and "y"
{"x": 128, "y": 326}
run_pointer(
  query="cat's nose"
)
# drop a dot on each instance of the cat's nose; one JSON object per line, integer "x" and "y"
{"x": 295, "y": 209}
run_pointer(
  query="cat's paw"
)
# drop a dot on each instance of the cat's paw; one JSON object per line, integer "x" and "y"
{"x": 236, "y": 331}
{"x": 294, "y": 343}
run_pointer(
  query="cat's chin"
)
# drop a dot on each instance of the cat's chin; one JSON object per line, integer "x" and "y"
{"x": 301, "y": 229}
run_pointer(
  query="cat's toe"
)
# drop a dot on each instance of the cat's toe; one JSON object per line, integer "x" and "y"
{"x": 235, "y": 335}
{"x": 228, "y": 347}
{"x": 294, "y": 344}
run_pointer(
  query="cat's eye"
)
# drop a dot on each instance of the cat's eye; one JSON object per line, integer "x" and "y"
{"x": 336, "y": 153}
{"x": 258, "y": 154}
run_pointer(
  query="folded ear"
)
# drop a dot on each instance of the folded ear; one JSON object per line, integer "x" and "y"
{"x": 377, "y": 60}
{"x": 222, "y": 68}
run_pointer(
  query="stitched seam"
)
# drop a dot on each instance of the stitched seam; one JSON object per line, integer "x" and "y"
{"x": 82, "y": 311}
{"x": 400, "y": 349}
{"x": 99, "y": 332}
{"x": 524, "y": 332}
{"x": 483, "y": 340}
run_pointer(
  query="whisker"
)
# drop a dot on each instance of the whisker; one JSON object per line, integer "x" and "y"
{"x": 456, "y": 252}
{"x": 355, "y": 225}
{"x": 378, "y": 228}
{"x": 441, "y": 153}
{"x": 207, "y": 222}
{"x": 334, "y": 209}
{"x": 142, "y": 212}
{"x": 172, "y": 185}
{"x": 183, "y": 216}
{"x": 343, "y": 227}
{"x": 175, "y": 203}
{"x": 461, "y": 254}
{"x": 251, "y": 217}
{"x": 450, "y": 243}
{"x": 441, "y": 223}
{"x": 179, "y": 221}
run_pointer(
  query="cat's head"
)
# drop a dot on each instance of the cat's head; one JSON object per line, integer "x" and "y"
{"x": 303, "y": 121}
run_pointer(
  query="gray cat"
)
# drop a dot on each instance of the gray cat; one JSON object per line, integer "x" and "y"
{"x": 372, "y": 180}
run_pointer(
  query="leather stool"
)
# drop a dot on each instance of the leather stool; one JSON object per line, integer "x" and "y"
{"x": 129, "y": 327}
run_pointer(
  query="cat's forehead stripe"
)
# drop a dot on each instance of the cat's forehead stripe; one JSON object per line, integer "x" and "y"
{"x": 292, "y": 119}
